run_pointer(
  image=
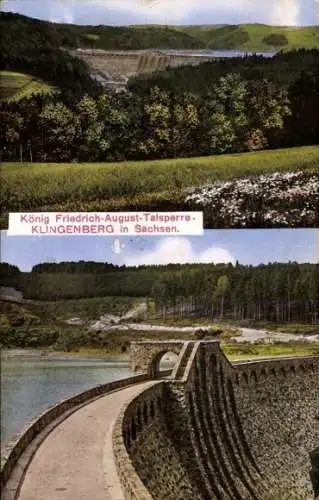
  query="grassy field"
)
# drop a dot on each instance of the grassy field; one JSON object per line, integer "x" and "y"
{"x": 17, "y": 86}
{"x": 248, "y": 351}
{"x": 307, "y": 37}
{"x": 147, "y": 185}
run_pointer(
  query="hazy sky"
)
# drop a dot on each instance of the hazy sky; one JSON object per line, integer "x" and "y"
{"x": 123, "y": 12}
{"x": 247, "y": 246}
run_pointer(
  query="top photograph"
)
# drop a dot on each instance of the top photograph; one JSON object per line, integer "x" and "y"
{"x": 164, "y": 105}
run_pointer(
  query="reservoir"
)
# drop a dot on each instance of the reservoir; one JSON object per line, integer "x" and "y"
{"x": 31, "y": 382}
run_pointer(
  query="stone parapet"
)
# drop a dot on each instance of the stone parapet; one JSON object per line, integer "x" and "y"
{"x": 38, "y": 429}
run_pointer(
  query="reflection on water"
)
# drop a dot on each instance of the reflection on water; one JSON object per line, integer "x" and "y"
{"x": 31, "y": 382}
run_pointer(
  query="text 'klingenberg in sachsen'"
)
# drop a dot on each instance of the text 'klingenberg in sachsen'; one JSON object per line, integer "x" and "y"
{"x": 104, "y": 223}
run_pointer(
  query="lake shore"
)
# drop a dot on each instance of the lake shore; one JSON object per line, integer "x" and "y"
{"x": 80, "y": 353}
{"x": 233, "y": 351}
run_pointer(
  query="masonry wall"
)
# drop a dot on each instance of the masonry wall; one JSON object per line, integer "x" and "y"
{"x": 130, "y": 63}
{"x": 147, "y": 459}
{"x": 278, "y": 406}
{"x": 226, "y": 432}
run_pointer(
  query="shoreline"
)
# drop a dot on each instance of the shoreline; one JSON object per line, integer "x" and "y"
{"x": 227, "y": 348}
{"x": 81, "y": 353}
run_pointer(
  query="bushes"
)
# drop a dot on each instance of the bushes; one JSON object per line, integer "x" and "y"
{"x": 276, "y": 39}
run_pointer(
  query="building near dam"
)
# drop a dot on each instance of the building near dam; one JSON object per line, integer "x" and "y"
{"x": 205, "y": 430}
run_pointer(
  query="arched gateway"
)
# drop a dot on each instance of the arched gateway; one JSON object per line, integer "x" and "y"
{"x": 146, "y": 356}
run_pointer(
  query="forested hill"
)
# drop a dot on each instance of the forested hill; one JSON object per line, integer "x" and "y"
{"x": 276, "y": 291}
{"x": 34, "y": 47}
{"x": 247, "y": 37}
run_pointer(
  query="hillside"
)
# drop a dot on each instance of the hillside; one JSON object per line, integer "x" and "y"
{"x": 34, "y": 47}
{"x": 16, "y": 86}
{"x": 247, "y": 37}
{"x": 253, "y": 37}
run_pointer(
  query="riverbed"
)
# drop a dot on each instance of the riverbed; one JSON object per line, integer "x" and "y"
{"x": 31, "y": 382}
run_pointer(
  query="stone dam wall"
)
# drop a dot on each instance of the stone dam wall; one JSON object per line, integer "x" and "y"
{"x": 221, "y": 431}
{"x": 119, "y": 65}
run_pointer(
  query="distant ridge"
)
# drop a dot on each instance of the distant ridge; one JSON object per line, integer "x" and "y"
{"x": 247, "y": 37}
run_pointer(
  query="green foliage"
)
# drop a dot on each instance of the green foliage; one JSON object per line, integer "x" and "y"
{"x": 200, "y": 334}
{"x": 276, "y": 39}
{"x": 282, "y": 70}
{"x": 148, "y": 185}
{"x": 277, "y": 293}
{"x": 247, "y": 36}
{"x": 228, "y": 37}
{"x": 244, "y": 351}
{"x": 86, "y": 308}
{"x": 17, "y": 86}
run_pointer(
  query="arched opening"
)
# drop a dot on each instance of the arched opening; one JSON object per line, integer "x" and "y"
{"x": 163, "y": 364}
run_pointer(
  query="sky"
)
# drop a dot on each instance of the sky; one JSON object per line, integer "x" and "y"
{"x": 245, "y": 245}
{"x": 123, "y": 12}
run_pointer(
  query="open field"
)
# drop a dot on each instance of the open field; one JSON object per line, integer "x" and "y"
{"x": 16, "y": 86}
{"x": 248, "y": 351}
{"x": 307, "y": 37}
{"x": 147, "y": 185}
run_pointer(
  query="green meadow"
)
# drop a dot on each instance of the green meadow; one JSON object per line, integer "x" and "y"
{"x": 145, "y": 185}
{"x": 16, "y": 86}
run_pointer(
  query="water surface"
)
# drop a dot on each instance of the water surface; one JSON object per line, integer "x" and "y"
{"x": 30, "y": 383}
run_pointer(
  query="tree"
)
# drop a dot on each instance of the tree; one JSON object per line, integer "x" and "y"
{"x": 220, "y": 292}
{"x": 93, "y": 138}
{"x": 61, "y": 129}
{"x": 155, "y": 135}
{"x": 267, "y": 107}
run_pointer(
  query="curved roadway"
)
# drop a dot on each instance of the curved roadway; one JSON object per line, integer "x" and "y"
{"x": 75, "y": 461}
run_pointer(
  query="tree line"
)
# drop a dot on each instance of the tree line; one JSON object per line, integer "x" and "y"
{"x": 236, "y": 115}
{"x": 278, "y": 292}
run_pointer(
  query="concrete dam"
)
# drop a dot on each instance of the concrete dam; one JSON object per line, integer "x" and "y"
{"x": 205, "y": 430}
{"x": 118, "y": 66}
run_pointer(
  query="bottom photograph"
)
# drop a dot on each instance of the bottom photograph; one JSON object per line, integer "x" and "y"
{"x": 160, "y": 367}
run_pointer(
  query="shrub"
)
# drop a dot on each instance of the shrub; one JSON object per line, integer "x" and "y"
{"x": 200, "y": 334}
{"x": 276, "y": 39}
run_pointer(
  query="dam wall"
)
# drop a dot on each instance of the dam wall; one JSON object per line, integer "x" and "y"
{"x": 222, "y": 431}
{"x": 278, "y": 406}
{"x": 121, "y": 65}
